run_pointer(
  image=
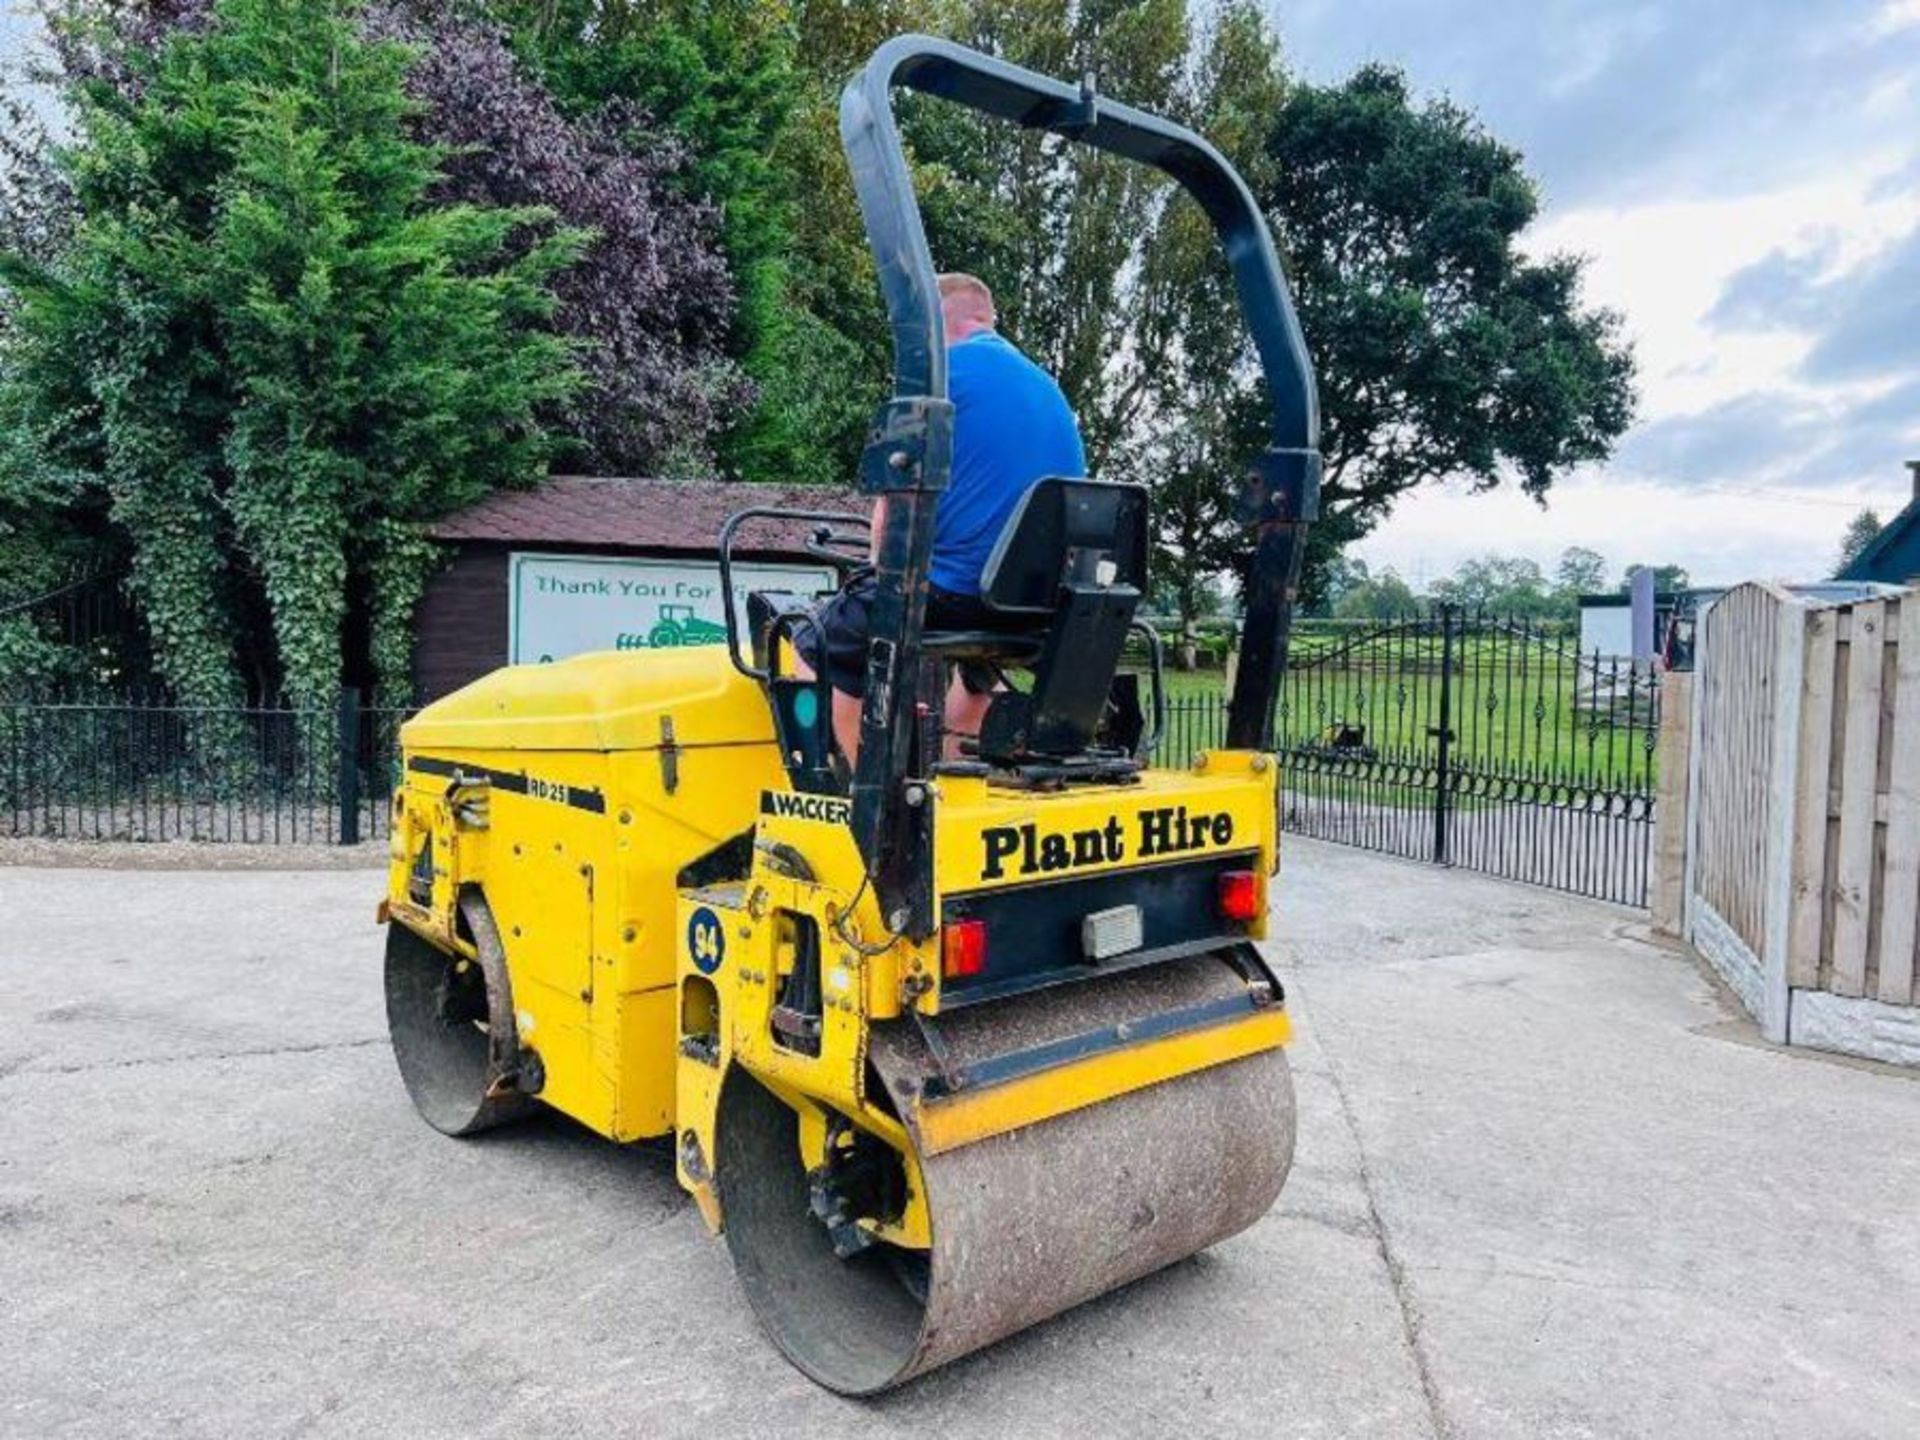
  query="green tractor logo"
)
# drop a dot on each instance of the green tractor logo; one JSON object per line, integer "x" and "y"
{"x": 678, "y": 625}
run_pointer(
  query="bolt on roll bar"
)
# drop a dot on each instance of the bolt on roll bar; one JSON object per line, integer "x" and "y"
{"x": 909, "y": 451}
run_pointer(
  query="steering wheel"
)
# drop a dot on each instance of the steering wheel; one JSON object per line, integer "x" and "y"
{"x": 831, "y": 545}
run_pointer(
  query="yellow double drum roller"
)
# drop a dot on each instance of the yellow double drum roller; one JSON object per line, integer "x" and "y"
{"x": 951, "y": 1043}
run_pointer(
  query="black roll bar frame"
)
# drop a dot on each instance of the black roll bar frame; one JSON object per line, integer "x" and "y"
{"x": 908, "y": 456}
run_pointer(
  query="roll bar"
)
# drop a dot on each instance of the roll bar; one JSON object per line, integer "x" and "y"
{"x": 1037, "y": 102}
{"x": 908, "y": 455}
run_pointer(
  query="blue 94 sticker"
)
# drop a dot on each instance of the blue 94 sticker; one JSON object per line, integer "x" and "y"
{"x": 706, "y": 941}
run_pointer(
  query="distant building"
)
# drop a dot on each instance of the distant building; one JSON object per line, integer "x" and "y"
{"x": 1893, "y": 556}
{"x": 584, "y": 564}
{"x": 1606, "y": 622}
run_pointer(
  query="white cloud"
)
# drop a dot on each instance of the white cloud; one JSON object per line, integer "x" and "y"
{"x": 1665, "y": 265}
{"x": 1719, "y": 535}
{"x": 1895, "y": 16}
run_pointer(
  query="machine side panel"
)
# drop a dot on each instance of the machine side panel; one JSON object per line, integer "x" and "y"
{"x": 546, "y": 871}
{"x": 666, "y": 814}
{"x": 578, "y": 854}
{"x": 643, "y": 1038}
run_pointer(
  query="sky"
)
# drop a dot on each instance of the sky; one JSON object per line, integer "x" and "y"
{"x": 1744, "y": 176}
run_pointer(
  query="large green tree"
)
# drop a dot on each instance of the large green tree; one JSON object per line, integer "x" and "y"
{"x": 1444, "y": 351}
{"x": 838, "y": 332}
{"x": 650, "y": 304}
{"x": 264, "y": 351}
{"x": 719, "y": 74}
{"x": 1189, "y": 401}
{"x": 1499, "y": 585}
{"x": 1580, "y": 571}
{"x": 1354, "y": 592}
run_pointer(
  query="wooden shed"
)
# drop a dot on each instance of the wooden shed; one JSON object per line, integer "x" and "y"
{"x": 587, "y": 563}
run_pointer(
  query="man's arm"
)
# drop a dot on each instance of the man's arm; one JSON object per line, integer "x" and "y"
{"x": 875, "y": 529}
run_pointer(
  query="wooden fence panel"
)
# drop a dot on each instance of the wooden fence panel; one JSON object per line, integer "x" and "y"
{"x": 1859, "y": 775}
{"x": 1803, "y": 867}
{"x": 1735, "y": 770}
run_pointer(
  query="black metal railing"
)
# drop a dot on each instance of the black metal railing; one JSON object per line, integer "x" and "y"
{"x": 1450, "y": 736}
{"x": 1465, "y": 739}
{"x": 88, "y": 766}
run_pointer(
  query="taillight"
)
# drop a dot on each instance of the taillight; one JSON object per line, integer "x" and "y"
{"x": 963, "y": 948}
{"x": 1239, "y": 895}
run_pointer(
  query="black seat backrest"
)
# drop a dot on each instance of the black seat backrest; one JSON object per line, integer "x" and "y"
{"x": 1074, "y": 551}
{"x": 1060, "y": 531}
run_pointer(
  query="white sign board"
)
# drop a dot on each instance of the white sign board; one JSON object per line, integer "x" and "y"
{"x": 1606, "y": 630}
{"x": 561, "y": 605}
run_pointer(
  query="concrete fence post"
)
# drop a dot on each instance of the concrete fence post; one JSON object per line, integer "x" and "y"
{"x": 1672, "y": 758}
{"x": 1789, "y": 668}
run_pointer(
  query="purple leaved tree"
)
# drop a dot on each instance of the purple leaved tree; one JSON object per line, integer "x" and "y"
{"x": 650, "y": 301}
{"x": 651, "y": 298}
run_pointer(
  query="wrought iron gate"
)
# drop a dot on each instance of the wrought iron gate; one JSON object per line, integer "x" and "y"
{"x": 1469, "y": 740}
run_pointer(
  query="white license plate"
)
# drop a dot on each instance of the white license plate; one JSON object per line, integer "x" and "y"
{"x": 1107, "y": 933}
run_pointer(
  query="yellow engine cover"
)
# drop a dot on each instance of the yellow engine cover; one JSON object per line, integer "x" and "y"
{"x": 573, "y": 795}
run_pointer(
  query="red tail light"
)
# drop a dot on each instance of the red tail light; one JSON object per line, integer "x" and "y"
{"x": 963, "y": 948}
{"x": 1239, "y": 895}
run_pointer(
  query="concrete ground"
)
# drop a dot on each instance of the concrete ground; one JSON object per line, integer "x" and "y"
{"x": 1547, "y": 1186}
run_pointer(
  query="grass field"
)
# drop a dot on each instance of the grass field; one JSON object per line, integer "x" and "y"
{"x": 1519, "y": 706}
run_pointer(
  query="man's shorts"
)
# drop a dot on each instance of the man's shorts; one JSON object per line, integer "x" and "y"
{"x": 844, "y": 621}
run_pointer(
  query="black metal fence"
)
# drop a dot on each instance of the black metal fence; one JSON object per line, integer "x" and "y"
{"x": 82, "y": 766}
{"x": 1464, "y": 739}
{"x": 1468, "y": 740}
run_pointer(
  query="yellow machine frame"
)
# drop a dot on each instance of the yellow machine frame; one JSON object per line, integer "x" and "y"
{"x": 637, "y": 992}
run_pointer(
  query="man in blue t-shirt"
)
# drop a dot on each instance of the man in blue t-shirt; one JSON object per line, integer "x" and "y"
{"x": 1011, "y": 427}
